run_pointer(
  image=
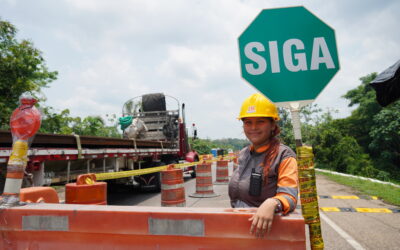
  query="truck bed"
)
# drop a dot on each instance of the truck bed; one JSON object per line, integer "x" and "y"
{"x": 42, "y": 140}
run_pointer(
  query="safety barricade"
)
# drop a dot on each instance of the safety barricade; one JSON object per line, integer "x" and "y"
{"x": 172, "y": 189}
{"x": 38, "y": 194}
{"x": 53, "y": 226}
{"x": 86, "y": 191}
{"x": 204, "y": 186}
{"x": 222, "y": 177}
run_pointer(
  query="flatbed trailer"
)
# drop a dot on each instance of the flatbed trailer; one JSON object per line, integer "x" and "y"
{"x": 61, "y": 158}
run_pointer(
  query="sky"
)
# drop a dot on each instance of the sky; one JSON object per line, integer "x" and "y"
{"x": 107, "y": 52}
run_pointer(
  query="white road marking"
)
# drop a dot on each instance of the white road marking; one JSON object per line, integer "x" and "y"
{"x": 342, "y": 233}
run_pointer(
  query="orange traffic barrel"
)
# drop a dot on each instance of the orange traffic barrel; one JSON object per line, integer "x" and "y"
{"x": 222, "y": 172}
{"x": 235, "y": 163}
{"x": 86, "y": 191}
{"x": 172, "y": 189}
{"x": 38, "y": 194}
{"x": 204, "y": 186}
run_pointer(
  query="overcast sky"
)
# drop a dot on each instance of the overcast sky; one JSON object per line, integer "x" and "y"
{"x": 107, "y": 52}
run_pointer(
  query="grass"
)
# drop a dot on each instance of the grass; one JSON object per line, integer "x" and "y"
{"x": 387, "y": 193}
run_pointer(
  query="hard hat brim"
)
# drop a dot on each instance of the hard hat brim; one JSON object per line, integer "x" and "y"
{"x": 257, "y": 115}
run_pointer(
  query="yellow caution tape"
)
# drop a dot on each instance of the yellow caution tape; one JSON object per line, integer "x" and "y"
{"x": 129, "y": 173}
{"x": 19, "y": 153}
{"x": 308, "y": 195}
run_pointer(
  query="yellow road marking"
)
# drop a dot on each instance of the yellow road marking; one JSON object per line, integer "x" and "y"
{"x": 350, "y": 197}
{"x": 330, "y": 209}
{"x": 372, "y": 210}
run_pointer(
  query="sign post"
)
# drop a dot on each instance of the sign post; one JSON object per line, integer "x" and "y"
{"x": 290, "y": 55}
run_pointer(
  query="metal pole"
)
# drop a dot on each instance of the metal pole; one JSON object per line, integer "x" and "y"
{"x": 295, "y": 112}
{"x": 68, "y": 170}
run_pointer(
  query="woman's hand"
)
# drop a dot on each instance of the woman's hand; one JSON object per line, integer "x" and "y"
{"x": 262, "y": 219}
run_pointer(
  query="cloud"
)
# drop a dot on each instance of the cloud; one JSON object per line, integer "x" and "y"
{"x": 107, "y": 52}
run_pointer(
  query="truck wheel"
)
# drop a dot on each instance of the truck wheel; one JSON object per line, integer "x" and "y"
{"x": 193, "y": 174}
{"x": 151, "y": 182}
{"x": 157, "y": 182}
{"x": 157, "y": 177}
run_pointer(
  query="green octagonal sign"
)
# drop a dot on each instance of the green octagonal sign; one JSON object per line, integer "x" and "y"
{"x": 288, "y": 54}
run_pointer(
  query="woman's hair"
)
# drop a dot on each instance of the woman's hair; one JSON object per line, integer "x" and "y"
{"x": 272, "y": 151}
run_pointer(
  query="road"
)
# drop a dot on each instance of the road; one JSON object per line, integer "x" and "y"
{"x": 345, "y": 229}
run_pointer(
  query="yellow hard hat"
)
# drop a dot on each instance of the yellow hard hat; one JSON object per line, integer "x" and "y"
{"x": 257, "y": 105}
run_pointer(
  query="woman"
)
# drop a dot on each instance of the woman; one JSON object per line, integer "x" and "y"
{"x": 267, "y": 174}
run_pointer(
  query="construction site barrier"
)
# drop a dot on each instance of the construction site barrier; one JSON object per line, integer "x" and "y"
{"x": 38, "y": 194}
{"x": 222, "y": 177}
{"x": 78, "y": 227}
{"x": 204, "y": 186}
{"x": 172, "y": 189}
{"x": 86, "y": 191}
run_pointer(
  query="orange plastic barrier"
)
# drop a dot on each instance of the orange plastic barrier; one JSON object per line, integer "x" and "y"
{"x": 38, "y": 194}
{"x": 204, "y": 186}
{"x": 86, "y": 191}
{"x": 222, "y": 172}
{"x": 172, "y": 189}
{"x": 78, "y": 227}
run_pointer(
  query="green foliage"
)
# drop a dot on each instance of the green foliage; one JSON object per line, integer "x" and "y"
{"x": 230, "y": 143}
{"x": 63, "y": 123}
{"x": 22, "y": 69}
{"x": 376, "y": 129}
{"x": 204, "y": 146}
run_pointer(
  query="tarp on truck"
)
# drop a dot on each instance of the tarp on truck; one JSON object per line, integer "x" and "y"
{"x": 387, "y": 85}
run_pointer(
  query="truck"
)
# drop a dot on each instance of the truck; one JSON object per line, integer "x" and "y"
{"x": 61, "y": 158}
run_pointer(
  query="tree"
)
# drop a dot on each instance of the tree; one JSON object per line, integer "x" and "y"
{"x": 361, "y": 119}
{"x": 22, "y": 69}
{"x": 376, "y": 129}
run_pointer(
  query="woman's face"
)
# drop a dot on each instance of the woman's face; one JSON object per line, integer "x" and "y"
{"x": 258, "y": 129}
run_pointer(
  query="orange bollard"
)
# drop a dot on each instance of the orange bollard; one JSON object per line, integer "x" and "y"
{"x": 38, "y": 194}
{"x": 172, "y": 190}
{"x": 222, "y": 173}
{"x": 86, "y": 191}
{"x": 204, "y": 186}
